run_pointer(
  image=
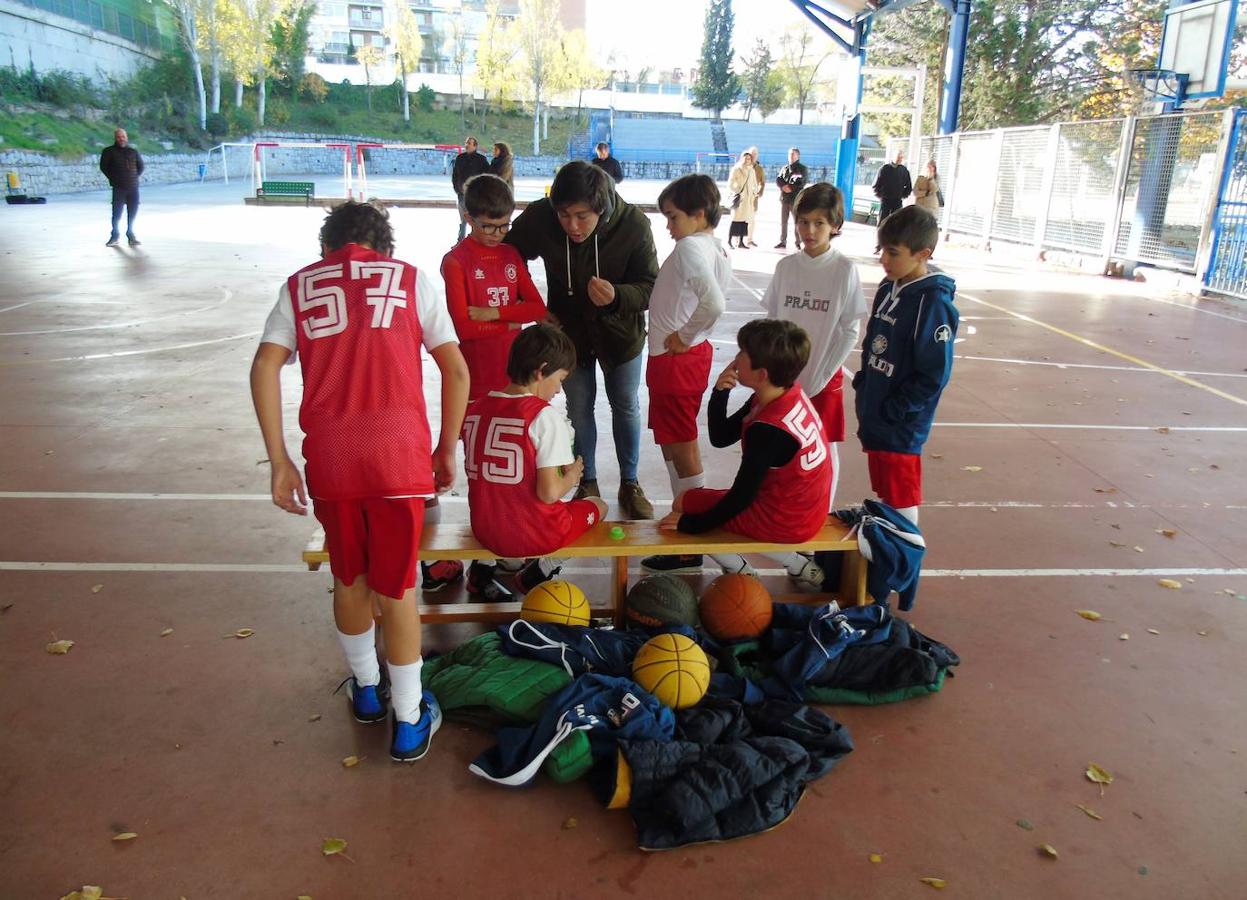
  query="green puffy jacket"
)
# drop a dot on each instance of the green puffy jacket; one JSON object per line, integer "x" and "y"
{"x": 620, "y": 250}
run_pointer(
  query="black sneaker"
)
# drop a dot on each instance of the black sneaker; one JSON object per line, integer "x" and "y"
{"x": 850, "y": 515}
{"x": 588, "y": 488}
{"x": 531, "y": 575}
{"x": 134, "y": 242}
{"x": 781, "y": 246}
{"x": 113, "y": 242}
{"x": 482, "y": 586}
{"x": 437, "y": 575}
{"x": 673, "y": 564}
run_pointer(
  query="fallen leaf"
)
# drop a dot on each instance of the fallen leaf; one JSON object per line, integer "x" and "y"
{"x": 1164, "y": 429}
{"x": 125, "y": 836}
{"x": 1124, "y": 636}
{"x": 1099, "y": 776}
{"x": 1202, "y": 633}
{"x": 938, "y": 883}
{"x": 1152, "y": 631}
{"x": 1091, "y": 812}
{"x": 1110, "y": 490}
{"x": 1116, "y": 525}
{"x": 1193, "y": 468}
{"x": 570, "y": 823}
{"x": 1049, "y": 851}
{"x": 1116, "y": 544}
{"x": 335, "y": 847}
{"x": 304, "y": 897}
{"x": 1089, "y": 614}
{"x": 1142, "y": 870}
{"x": 9, "y": 606}
{"x": 88, "y": 892}
{"x": 1170, "y": 583}
{"x": 351, "y": 762}
{"x": 1213, "y": 466}
{"x": 937, "y": 455}
{"x": 59, "y": 648}
{"x": 1025, "y": 825}
{"x": 241, "y": 633}
{"x": 972, "y": 468}
{"x": 96, "y": 588}
{"x": 166, "y": 632}
{"x": 876, "y": 857}
{"x": 1229, "y": 591}
{"x": 1167, "y": 532}
{"x": 314, "y": 718}
{"x": 1138, "y": 549}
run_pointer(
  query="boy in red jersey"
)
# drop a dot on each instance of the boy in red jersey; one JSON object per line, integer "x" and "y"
{"x": 780, "y": 491}
{"x": 356, "y": 320}
{"x": 491, "y": 296}
{"x": 517, "y": 451}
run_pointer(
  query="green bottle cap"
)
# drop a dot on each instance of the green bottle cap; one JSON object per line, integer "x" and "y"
{"x": 617, "y": 533}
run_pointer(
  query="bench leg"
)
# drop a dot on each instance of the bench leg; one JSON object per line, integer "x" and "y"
{"x": 619, "y": 588}
{"x": 853, "y": 580}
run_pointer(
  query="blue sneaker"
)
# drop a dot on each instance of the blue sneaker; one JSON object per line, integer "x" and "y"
{"x": 411, "y": 742}
{"x": 369, "y": 704}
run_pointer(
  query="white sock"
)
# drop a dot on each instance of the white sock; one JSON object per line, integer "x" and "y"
{"x": 689, "y": 482}
{"x": 361, "y": 656}
{"x": 547, "y": 564}
{"x": 406, "y": 690}
{"x": 674, "y": 477}
{"x": 433, "y": 514}
{"x": 730, "y": 563}
{"x": 835, "y": 475}
{"x": 910, "y": 512}
{"x": 793, "y": 562}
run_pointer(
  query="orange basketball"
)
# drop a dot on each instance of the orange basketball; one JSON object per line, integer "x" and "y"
{"x": 736, "y": 607}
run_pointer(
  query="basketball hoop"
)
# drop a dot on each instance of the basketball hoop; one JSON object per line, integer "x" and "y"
{"x": 1161, "y": 85}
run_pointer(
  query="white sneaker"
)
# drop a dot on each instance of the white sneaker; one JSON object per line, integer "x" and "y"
{"x": 745, "y": 569}
{"x": 811, "y": 573}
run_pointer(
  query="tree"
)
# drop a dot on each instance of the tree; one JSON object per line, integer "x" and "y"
{"x": 289, "y": 39}
{"x": 580, "y": 72}
{"x": 497, "y": 71}
{"x": 758, "y": 67}
{"x": 717, "y": 86}
{"x": 458, "y": 39}
{"x": 772, "y": 96}
{"x": 540, "y": 38}
{"x": 799, "y": 62}
{"x": 407, "y": 44}
{"x": 188, "y": 26}
{"x": 917, "y": 37}
{"x": 209, "y": 19}
{"x": 368, "y": 56}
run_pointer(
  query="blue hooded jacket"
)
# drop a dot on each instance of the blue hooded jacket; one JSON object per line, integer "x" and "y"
{"x": 907, "y": 358}
{"x": 894, "y": 547}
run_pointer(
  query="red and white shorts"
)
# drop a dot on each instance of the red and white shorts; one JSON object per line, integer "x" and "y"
{"x": 376, "y": 537}
{"x": 677, "y": 382}
{"x": 830, "y": 405}
{"x": 748, "y": 522}
{"x": 895, "y": 477}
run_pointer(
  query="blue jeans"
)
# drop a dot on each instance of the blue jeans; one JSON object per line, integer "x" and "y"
{"x": 127, "y": 200}
{"x": 622, "y": 391}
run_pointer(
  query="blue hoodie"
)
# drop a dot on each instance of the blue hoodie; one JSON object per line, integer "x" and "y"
{"x": 907, "y": 358}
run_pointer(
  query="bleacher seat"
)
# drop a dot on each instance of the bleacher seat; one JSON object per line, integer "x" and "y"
{"x": 819, "y": 143}
{"x": 660, "y": 140}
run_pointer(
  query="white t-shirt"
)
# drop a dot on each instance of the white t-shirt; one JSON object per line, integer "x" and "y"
{"x": 550, "y": 433}
{"x": 823, "y": 295}
{"x": 435, "y": 323}
{"x": 690, "y": 292}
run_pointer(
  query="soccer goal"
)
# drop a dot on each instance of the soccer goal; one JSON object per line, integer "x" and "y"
{"x": 400, "y": 160}
{"x": 286, "y": 159}
{"x": 222, "y": 153}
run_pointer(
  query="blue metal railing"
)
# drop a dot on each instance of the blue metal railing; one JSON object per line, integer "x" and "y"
{"x": 1227, "y": 265}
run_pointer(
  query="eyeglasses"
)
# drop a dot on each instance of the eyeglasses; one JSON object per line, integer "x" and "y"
{"x": 492, "y": 229}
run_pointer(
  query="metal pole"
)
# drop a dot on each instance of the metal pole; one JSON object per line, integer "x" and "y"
{"x": 954, "y": 66}
{"x": 1109, "y": 247}
{"x": 915, "y": 120}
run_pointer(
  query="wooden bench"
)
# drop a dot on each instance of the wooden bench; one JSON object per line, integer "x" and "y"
{"x": 303, "y": 189}
{"x": 641, "y": 538}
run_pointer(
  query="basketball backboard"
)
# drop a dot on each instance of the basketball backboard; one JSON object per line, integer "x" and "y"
{"x": 1196, "y": 43}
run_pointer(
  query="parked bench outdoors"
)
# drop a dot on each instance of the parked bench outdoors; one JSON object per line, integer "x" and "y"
{"x": 269, "y": 189}
{"x": 641, "y": 538}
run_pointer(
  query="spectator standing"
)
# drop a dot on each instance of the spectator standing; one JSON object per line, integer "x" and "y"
{"x": 892, "y": 186}
{"x": 608, "y": 163}
{"x": 790, "y": 180}
{"x": 759, "y": 172}
{"x": 122, "y": 166}
{"x": 468, "y": 163}
{"x": 743, "y": 188}
{"x": 503, "y": 164}
{"x": 927, "y": 190}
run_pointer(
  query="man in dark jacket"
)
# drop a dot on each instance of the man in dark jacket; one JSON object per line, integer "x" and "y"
{"x": 467, "y": 164}
{"x": 892, "y": 185}
{"x": 600, "y": 264}
{"x": 122, "y": 166}
{"x": 608, "y": 163}
{"x": 790, "y": 180}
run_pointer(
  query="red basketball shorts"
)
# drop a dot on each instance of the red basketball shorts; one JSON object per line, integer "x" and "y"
{"x": 830, "y": 405}
{"x": 896, "y": 477}
{"x": 584, "y": 515}
{"x": 677, "y": 382}
{"x": 749, "y": 522}
{"x": 376, "y": 537}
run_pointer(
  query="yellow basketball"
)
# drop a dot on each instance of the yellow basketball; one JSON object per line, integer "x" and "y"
{"x": 672, "y": 668}
{"x": 560, "y": 602}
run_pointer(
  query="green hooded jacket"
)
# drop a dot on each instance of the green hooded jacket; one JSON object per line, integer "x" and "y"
{"x": 620, "y": 250}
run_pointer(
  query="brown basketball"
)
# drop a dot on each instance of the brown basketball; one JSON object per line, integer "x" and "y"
{"x": 735, "y": 607}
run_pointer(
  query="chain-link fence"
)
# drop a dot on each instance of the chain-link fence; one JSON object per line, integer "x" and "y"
{"x": 1227, "y": 267}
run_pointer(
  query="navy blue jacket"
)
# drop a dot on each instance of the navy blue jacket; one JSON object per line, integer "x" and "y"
{"x": 907, "y": 358}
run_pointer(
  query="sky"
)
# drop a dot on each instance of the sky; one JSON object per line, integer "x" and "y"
{"x": 668, "y": 33}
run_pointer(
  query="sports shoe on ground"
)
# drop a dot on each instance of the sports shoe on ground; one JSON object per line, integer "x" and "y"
{"x": 781, "y": 246}
{"x": 633, "y": 501}
{"x": 531, "y": 575}
{"x": 134, "y": 242}
{"x": 850, "y": 515}
{"x": 510, "y": 566}
{"x": 369, "y": 705}
{"x": 482, "y": 586}
{"x": 436, "y": 575}
{"x": 811, "y": 573}
{"x": 411, "y": 742}
{"x": 745, "y": 569}
{"x": 587, "y": 489}
{"x": 673, "y": 564}
{"x": 113, "y": 242}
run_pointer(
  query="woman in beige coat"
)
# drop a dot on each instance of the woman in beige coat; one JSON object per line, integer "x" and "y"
{"x": 927, "y": 189}
{"x": 742, "y": 182}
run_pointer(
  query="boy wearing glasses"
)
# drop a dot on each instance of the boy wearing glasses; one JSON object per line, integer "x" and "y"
{"x": 490, "y": 295}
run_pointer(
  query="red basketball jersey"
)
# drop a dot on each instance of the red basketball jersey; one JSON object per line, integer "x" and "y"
{"x": 494, "y": 277}
{"x": 501, "y": 461}
{"x": 791, "y": 505}
{"x": 363, "y": 414}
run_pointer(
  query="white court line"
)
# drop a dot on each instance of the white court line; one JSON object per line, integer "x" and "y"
{"x": 16, "y": 306}
{"x": 1227, "y": 428}
{"x": 22, "y": 566}
{"x": 137, "y": 495}
{"x": 1141, "y": 371}
{"x": 93, "y": 356}
{"x": 174, "y": 315}
{"x": 756, "y": 293}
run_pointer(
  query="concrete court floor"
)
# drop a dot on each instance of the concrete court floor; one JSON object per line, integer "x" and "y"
{"x": 134, "y": 500}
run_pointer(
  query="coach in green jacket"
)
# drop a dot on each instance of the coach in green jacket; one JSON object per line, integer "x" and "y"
{"x": 600, "y": 264}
